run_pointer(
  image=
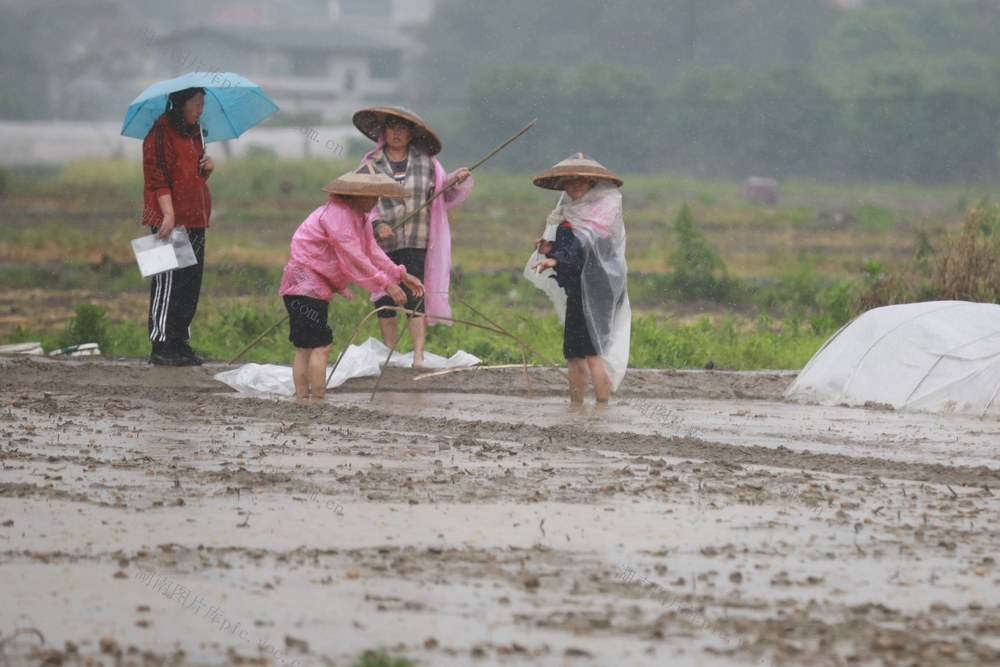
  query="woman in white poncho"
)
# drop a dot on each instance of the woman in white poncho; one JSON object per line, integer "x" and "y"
{"x": 584, "y": 273}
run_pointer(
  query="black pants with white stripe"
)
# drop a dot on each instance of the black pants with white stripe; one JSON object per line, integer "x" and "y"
{"x": 173, "y": 298}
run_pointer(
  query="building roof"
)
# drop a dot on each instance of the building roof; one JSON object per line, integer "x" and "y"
{"x": 328, "y": 40}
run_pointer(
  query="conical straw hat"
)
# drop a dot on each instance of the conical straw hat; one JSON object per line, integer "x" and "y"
{"x": 578, "y": 165}
{"x": 366, "y": 182}
{"x": 371, "y": 120}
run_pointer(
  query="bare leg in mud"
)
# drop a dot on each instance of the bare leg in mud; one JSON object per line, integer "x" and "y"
{"x": 579, "y": 373}
{"x": 602, "y": 381}
{"x": 309, "y": 371}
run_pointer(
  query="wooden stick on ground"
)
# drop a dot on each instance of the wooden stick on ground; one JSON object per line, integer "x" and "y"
{"x": 535, "y": 352}
{"x": 493, "y": 329}
{"x": 392, "y": 350}
{"x": 446, "y": 371}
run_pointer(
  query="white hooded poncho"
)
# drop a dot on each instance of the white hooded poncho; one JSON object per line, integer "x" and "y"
{"x": 598, "y": 224}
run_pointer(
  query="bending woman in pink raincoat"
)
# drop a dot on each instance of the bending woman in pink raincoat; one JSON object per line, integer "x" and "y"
{"x": 405, "y": 150}
{"x": 584, "y": 255}
{"x": 333, "y": 248}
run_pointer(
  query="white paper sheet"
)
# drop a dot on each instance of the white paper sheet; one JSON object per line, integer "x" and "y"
{"x": 154, "y": 255}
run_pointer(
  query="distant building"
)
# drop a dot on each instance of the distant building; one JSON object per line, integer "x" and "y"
{"x": 400, "y": 13}
{"x": 329, "y": 72}
{"x": 357, "y": 54}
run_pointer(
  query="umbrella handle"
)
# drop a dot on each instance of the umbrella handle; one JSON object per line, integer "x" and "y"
{"x": 201, "y": 137}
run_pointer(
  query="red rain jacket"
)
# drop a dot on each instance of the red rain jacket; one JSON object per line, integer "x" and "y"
{"x": 170, "y": 166}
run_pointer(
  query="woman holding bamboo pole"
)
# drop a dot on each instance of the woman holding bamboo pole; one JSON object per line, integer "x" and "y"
{"x": 405, "y": 149}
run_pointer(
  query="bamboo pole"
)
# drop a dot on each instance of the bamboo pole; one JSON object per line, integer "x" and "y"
{"x": 463, "y": 369}
{"x": 447, "y": 186}
{"x": 258, "y": 339}
{"x": 493, "y": 329}
{"x": 391, "y": 351}
{"x": 535, "y": 352}
{"x": 404, "y": 311}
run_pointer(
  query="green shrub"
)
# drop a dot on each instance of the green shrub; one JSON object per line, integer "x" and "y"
{"x": 127, "y": 339}
{"x": 21, "y": 335}
{"x": 381, "y": 658}
{"x": 968, "y": 266}
{"x": 88, "y": 325}
{"x": 802, "y": 285}
{"x": 698, "y": 272}
{"x": 882, "y": 287}
{"x": 693, "y": 255}
{"x": 835, "y": 303}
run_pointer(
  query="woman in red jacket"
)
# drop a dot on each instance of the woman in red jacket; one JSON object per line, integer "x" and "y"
{"x": 176, "y": 172}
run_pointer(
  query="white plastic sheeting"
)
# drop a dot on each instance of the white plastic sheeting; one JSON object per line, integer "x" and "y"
{"x": 362, "y": 360}
{"x": 936, "y": 356}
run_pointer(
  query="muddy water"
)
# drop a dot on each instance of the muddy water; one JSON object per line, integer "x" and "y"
{"x": 912, "y": 437}
{"x": 156, "y": 519}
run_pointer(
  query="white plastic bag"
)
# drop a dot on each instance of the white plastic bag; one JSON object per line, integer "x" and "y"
{"x": 359, "y": 361}
{"x": 155, "y": 255}
{"x": 275, "y": 379}
{"x": 182, "y": 247}
{"x": 544, "y": 279}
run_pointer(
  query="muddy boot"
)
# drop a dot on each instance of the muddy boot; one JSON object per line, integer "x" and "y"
{"x": 190, "y": 357}
{"x": 165, "y": 354}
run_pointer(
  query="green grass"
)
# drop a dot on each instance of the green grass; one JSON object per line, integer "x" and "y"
{"x": 382, "y": 658}
{"x": 794, "y": 269}
{"x": 226, "y": 323}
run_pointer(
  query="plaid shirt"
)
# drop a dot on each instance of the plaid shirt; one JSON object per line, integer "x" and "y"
{"x": 420, "y": 182}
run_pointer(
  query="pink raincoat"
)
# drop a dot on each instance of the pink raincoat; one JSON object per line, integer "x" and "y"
{"x": 437, "y": 267}
{"x": 333, "y": 248}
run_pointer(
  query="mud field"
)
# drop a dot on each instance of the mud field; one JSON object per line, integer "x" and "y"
{"x": 152, "y": 516}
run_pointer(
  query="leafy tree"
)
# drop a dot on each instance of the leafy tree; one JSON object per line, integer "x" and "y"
{"x": 958, "y": 137}
{"x": 900, "y": 129}
{"x": 780, "y": 123}
{"x": 704, "y": 120}
{"x": 757, "y": 36}
{"x": 664, "y": 38}
{"x": 500, "y": 100}
{"x": 614, "y": 114}
{"x": 789, "y": 123}
{"x": 605, "y": 111}
{"x": 948, "y": 43}
{"x": 698, "y": 272}
{"x": 864, "y": 42}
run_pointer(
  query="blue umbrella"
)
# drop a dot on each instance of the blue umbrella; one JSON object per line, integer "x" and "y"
{"x": 233, "y": 104}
